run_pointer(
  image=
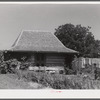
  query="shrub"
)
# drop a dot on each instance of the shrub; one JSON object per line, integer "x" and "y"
{"x": 8, "y": 66}
{"x": 24, "y": 65}
{"x": 56, "y": 81}
{"x": 69, "y": 71}
{"x": 59, "y": 81}
{"x": 87, "y": 69}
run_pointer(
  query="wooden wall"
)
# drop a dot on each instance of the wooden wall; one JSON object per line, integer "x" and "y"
{"x": 50, "y": 59}
{"x": 55, "y": 60}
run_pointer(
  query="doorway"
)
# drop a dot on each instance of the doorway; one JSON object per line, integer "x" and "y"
{"x": 40, "y": 59}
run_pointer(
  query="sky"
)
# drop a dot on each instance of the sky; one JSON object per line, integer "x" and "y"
{"x": 45, "y": 17}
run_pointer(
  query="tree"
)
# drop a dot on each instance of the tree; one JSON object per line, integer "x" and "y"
{"x": 78, "y": 38}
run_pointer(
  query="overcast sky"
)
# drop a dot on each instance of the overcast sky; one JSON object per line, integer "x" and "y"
{"x": 14, "y": 18}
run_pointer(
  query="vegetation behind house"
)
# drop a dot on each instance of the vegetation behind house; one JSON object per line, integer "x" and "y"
{"x": 79, "y": 38}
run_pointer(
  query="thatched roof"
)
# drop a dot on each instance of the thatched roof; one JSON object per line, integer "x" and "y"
{"x": 39, "y": 42}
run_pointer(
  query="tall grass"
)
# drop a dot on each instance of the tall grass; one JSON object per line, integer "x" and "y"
{"x": 58, "y": 81}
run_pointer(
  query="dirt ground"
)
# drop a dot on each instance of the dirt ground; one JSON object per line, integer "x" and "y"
{"x": 11, "y": 81}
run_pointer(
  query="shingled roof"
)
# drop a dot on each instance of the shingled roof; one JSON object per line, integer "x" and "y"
{"x": 39, "y": 42}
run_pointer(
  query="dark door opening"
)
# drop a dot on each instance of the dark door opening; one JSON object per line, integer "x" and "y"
{"x": 40, "y": 59}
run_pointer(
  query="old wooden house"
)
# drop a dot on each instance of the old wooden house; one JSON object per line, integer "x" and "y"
{"x": 40, "y": 49}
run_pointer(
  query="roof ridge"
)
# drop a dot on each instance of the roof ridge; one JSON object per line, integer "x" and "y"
{"x": 18, "y": 38}
{"x": 59, "y": 41}
{"x": 37, "y": 31}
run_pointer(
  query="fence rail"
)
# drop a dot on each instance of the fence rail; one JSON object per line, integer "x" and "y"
{"x": 79, "y": 63}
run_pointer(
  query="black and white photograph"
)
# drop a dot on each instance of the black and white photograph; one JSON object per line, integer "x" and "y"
{"x": 49, "y": 46}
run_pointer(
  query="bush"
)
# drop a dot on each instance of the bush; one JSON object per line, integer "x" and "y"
{"x": 55, "y": 81}
{"x": 8, "y": 66}
{"x": 69, "y": 71}
{"x": 59, "y": 81}
{"x": 25, "y": 65}
{"x": 87, "y": 69}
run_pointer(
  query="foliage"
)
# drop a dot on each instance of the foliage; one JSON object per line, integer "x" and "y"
{"x": 69, "y": 71}
{"x": 87, "y": 69}
{"x": 8, "y": 66}
{"x": 1, "y": 56}
{"x": 25, "y": 65}
{"x": 58, "y": 81}
{"x": 78, "y": 38}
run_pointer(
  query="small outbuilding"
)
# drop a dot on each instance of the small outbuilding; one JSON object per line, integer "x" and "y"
{"x": 40, "y": 49}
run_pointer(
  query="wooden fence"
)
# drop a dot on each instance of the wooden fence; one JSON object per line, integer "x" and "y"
{"x": 79, "y": 63}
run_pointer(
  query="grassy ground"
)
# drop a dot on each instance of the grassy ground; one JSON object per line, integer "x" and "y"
{"x": 11, "y": 81}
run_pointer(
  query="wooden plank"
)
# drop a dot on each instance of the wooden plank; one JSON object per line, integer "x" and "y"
{"x": 54, "y": 64}
{"x": 55, "y": 60}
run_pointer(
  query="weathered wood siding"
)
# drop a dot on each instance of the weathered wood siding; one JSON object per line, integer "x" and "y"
{"x": 55, "y": 60}
{"x": 50, "y": 60}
